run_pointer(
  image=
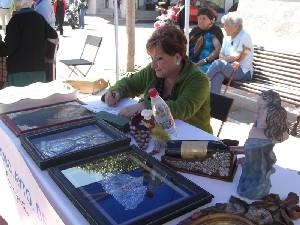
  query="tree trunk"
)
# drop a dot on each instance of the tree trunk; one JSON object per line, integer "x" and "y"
{"x": 130, "y": 27}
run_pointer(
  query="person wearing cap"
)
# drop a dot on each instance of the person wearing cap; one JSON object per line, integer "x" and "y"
{"x": 179, "y": 82}
{"x": 236, "y": 55}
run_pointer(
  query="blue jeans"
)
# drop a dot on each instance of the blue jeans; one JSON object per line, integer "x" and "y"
{"x": 81, "y": 15}
{"x": 220, "y": 70}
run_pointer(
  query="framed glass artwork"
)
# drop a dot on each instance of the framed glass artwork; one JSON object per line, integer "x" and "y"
{"x": 32, "y": 119}
{"x": 127, "y": 186}
{"x": 54, "y": 146}
{"x": 220, "y": 165}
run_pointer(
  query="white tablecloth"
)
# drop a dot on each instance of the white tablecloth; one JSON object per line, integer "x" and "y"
{"x": 40, "y": 201}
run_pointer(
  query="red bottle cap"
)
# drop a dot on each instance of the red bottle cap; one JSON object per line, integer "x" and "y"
{"x": 153, "y": 93}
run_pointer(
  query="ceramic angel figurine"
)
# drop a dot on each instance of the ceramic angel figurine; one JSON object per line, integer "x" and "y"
{"x": 270, "y": 128}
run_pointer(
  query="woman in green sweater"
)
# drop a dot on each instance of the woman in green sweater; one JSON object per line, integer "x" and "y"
{"x": 178, "y": 81}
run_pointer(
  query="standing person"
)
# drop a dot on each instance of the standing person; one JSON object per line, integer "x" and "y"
{"x": 181, "y": 14}
{"x": 82, "y": 6}
{"x": 44, "y": 7}
{"x": 184, "y": 88}
{"x": 25, "y": 45}
{"x": 5, "y": 12}
{"x": 236, "y": 55}
{"x": 60, "y": 7}
{"x": 205, "y": 40}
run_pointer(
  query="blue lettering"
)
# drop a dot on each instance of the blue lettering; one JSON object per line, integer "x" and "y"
{"x": 22, "y": 186}
{"x": 19, "y": 183}
{"x": 28, "y": 197}
{"x": 39, "y": 213}
{"x": 6, "y": 162}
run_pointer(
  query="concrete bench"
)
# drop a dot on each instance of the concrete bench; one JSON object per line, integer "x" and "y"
{"x": 279, "y": 71}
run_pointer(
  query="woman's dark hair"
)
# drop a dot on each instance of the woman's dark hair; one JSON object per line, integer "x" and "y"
{"x": 206, "y": 12}
{"x": 169, "y": 39}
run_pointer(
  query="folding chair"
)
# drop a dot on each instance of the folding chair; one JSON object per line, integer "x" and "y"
{"x": 73, "y": 63}
{"x": 220, "y": 107}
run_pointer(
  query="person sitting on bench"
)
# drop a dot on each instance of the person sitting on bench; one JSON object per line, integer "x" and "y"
{"x": 236, "y": 55}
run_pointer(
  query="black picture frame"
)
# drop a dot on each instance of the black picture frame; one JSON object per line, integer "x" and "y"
{"x": 36, "y": 118}
{"x": 127, "y": 186}
{"x": 50, "y": 147}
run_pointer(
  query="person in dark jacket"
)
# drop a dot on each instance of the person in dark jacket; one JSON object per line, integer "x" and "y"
{"x": 59, "y": 8}
{"x": 205, "y": 40}
{"x": 25, "y": 45}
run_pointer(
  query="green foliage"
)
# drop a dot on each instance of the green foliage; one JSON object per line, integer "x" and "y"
{"x": 160, "y": 133}
{"x": 115, "y": 164}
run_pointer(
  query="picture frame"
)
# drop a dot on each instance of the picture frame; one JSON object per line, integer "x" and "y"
{"x": 32, "y": 119}
{"x": 224, "y": 165}
{"x": 50, "y": 147}
{"x": 127, "y": 186}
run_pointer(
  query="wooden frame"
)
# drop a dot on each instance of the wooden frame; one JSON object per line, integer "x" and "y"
{"x": 127, "y": 186}
{"x": 54, "y": 146}
{"x": 194, "y": 166}
{"x": 33, "y": 119}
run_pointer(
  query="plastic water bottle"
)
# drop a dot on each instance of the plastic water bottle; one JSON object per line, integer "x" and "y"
{"x": 161, "y": 112}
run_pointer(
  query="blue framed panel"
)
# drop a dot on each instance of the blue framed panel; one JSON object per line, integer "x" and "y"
{"x": 51, "y": 147}
{"x": 127, "y": 186}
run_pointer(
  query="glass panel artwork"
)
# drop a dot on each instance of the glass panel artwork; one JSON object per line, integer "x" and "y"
{"x": 70, "y": 140}
{"x": 48, "y": 115}
{"x": 125, "y": 187}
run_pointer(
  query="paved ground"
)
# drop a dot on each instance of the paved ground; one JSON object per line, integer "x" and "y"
{"x": 240, "y": 120}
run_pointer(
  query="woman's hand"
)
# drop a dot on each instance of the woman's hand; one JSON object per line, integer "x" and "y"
{"x": 229, "y": 58}
{"x": 200, "y": 62}
{"x": 112, "y": 98}
{"x": 132, "y": 109}
{"x": 235, "y": 65}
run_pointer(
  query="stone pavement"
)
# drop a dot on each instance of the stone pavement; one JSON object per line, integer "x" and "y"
{"x": 72, "y": 43}
{"x": 240, "y": 119}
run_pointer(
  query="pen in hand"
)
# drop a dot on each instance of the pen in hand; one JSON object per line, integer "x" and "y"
{"x": 113, "y": 94}
{"x": 111, "y": 98}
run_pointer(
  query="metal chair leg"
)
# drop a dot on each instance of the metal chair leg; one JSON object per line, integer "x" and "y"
{"x": 220, "y": 129}
{"x": 75, "y": 70}
{"x": 72, "y": 70}
{"x": 79, "y": 71}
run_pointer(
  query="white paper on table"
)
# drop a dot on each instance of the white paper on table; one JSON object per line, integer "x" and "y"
{"x": 95, "y": 104}
{"x": 34, "y": 95}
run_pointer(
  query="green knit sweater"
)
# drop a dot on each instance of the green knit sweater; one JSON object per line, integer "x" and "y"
{"x": 191, "y": 93}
